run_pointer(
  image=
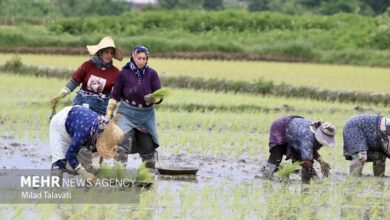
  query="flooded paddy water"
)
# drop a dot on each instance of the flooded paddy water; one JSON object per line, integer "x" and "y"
{"x": 228, "y": 187}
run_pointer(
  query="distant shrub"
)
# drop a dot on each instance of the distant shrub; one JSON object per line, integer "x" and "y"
{"x": 381, "y": 39}
{"x": 14, "y": 65}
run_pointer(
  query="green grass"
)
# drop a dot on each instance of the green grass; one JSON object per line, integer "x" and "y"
{"x": 333, "y": 77}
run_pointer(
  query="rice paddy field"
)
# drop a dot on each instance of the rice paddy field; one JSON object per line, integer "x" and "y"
{"x": 224, "y": 134}
{"x": 333, "y": 77}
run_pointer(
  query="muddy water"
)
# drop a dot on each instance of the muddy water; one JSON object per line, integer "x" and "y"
{"x": 36, "y": 155}
{"x": 14, "y": 154}
{"x": 223, "y": 174}
{"x": 213, "y": 171}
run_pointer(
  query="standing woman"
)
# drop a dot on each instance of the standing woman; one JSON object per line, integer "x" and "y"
{"x": 133, "y": 88}
{"x": 97, "y": 77}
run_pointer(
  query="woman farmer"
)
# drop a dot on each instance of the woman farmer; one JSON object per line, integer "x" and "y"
{"x": 97, "y": 77}
{"x": 133, "y": 88}
{"x": 75, "y": 126}
{"x": 366, "y": 139}
{"x": 299, "y": 139}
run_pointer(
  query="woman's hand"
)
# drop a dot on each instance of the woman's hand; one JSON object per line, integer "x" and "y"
{"x": 61, "y": 94}
{"x": 149, "y": 99}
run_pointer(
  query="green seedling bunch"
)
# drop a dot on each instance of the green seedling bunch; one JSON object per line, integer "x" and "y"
{"x": 286, "y": 170}
{"x": 161, "y": 93}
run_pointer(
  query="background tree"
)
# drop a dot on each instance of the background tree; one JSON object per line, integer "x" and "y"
{"x": 180, "y": 4}
{"x": 378, "y": 6}
{"x": 258, "y": 5}
{"x": 213, "y": 4}
{"x": 58, "y": 8}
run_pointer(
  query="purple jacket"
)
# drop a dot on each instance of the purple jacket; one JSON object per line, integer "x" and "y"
{"x": 277, "y": 134}
{"x": 132, "y": 89}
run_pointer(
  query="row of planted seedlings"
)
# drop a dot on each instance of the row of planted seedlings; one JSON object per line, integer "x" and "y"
{"x": 333, "y": 199}
{"x": 215, "y": 132}
{"x": 234, "y": 200}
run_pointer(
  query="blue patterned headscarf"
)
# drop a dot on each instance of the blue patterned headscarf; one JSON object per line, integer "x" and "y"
{"x": 131, "y": 65}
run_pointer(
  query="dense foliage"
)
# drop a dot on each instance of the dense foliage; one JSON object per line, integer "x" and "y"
{"x": 341, "y": 38}
{"x": 55, "y": 8}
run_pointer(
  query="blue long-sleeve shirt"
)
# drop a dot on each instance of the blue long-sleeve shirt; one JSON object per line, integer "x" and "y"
{"x": 81, "y": 124}
{"x": 300, "y": 138}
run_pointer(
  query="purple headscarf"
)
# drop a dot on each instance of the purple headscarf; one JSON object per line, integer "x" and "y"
{"x": 131, "y": 65}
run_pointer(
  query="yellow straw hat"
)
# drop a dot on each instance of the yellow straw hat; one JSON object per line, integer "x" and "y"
{"x": 107, "y": 141}
{"x": 105, "y": 43}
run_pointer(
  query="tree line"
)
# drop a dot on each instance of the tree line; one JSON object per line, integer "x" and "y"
{"x": 72, "y": 8}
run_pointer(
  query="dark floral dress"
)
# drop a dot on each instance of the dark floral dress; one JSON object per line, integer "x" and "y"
{"x": 362, "y": 133}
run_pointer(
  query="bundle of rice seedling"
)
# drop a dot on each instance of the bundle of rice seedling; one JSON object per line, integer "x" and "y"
{"x": 118, "y": 172}
{"x": 144, "y": 174}
{"x": 160, "y": 93}
{"x": 286, "y": 170}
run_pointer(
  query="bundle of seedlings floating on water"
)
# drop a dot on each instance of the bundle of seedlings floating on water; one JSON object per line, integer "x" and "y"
{"x": 119, "y": 172}
{"x": 286, "y": 170}
{"x": 160, "y": 93}
{"x": 144, "y": 174}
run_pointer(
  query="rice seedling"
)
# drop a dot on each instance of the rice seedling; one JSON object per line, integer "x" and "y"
{"x": 161, "y": 93}
{"x": 144, "y": 174}
{"x": 117, "y": 172}
{"x": 287, "y": 169}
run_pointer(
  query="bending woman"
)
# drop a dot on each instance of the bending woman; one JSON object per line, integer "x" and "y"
{"x": 366, "y": 139}
{"x": 299, "y": 139}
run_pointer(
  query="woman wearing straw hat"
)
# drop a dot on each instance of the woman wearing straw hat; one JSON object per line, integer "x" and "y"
{"x": 366, "y": 139}
{"x": 135, "y": 83}
{"x": 75, "y": 126}
{"x": 97, "y": 77}
{"x": 299, "y": 139}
